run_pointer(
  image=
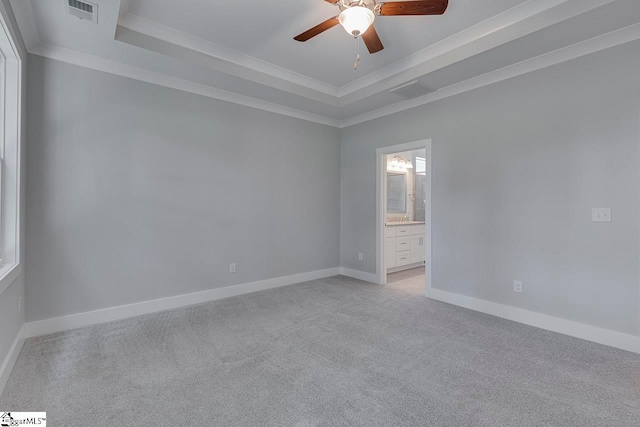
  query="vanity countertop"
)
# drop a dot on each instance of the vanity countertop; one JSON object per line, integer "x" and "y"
{"x": 394, "y": 223}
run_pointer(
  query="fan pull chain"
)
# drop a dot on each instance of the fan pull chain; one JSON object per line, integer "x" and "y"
{"x": 357, "y": 50}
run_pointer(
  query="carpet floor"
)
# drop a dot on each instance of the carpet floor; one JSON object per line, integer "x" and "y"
{"x": 332, "y": 352}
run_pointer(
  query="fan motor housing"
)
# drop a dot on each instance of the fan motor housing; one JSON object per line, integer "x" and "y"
{"x": 369, "y": 4}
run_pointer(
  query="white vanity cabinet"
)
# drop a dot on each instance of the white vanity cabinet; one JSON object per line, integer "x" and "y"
{"x": 389, "y": 247}
{"x": 417, "y": 248}
{"x": 404, "y": 245}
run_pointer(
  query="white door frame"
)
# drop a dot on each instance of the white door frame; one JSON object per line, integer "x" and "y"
{"x": 381, "y": 208}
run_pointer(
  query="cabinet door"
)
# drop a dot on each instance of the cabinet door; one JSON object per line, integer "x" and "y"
{"x": 417, "y": 248}
{"x": 390, "y": 252}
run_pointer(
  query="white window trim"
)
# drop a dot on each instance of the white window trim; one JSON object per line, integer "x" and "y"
{"x": 11, "y": 153}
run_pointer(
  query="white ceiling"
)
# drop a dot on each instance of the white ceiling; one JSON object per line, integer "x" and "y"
{"x": 265, "y": 30}
{"x": 244, "y": 52}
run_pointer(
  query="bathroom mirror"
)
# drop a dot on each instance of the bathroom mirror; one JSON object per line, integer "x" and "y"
{"x": 396, "y": 193}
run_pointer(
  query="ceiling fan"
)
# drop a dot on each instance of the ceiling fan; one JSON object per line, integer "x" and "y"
{"x": 357, "y": 16}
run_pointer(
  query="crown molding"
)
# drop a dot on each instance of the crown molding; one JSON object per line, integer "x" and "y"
{"x": 587, "y": 47}
{"x": 524, "y": 19}
{"x": 596, "y": 44}
{"x": 135, "y": 30}
{"x": 23, "y": 13}
{"x": 108, "y": 66}
{"x": 123, "y": 10}
{"x": 519, "y": 21}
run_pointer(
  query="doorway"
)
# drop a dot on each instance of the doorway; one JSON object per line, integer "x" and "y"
{"x": 403, "y": 216}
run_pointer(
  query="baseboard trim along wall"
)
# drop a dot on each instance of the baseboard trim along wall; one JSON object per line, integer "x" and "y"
{"x": 357, "y": 274}
{"x": 10, "y": 360}
{"x": 555, "y": 324}
{"x": 64, "y": 323}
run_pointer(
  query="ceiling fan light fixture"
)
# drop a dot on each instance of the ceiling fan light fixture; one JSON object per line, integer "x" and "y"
{"x": 356, "y": 20}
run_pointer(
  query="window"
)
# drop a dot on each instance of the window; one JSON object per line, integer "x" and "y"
{"x": 421, "y": 165}
{"x": 10, "y": 142}
{"x": 2, "y": 116}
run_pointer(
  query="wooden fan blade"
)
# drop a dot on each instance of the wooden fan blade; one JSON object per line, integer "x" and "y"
{"x": 372, "y": 41}
{"x": 329, "y": 23}
{"x": 424, "y": 7}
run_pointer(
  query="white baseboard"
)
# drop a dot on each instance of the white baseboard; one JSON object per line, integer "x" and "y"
{"x": 10, "y": 360}
{"x": 357, "y": 274}
{"x": 64, "y": 323}
{"x": 539, "y": 320}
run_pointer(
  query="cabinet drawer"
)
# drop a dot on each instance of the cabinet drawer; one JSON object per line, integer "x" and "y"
{"x": 403, "y": 258}
{"x": 403, "y": 243}
{"x": 403, "y": 231}
{"x": 417, "y": 229}
{"x": 389, "y": 232}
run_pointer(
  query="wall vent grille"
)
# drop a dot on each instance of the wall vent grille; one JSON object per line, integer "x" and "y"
{"x": 411, "y": 90}
{"x": 83, "y": 10}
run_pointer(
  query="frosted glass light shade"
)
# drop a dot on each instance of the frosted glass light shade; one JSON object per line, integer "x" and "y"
{"x": 356, "y": 20}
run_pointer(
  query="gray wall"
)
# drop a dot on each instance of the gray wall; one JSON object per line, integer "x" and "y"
{"x": 517, "y": 167}
{"x": 11, "y": 320}
{"x": 137, "y": 192}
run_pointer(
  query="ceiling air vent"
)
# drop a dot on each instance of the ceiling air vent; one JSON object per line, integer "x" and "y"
{"x": 411, "y": 90}
{"x": 83, "y": 10}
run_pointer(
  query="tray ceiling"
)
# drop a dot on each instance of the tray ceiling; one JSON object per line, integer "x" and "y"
{"x": 244, "y": 52}
{"x": 265, "y": 30}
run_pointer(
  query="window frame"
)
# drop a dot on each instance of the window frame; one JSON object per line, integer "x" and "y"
{"x": 11, "y": 96}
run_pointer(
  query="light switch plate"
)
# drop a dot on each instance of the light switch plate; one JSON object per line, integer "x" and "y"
{"x": 601, "y": 215}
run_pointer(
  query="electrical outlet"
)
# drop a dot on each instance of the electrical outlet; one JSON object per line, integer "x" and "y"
{"x": 360, "y": 257}
{"x": 517, "y": 286}
{"x": 232, "y": 268}
{"x": 601, "y": 215}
